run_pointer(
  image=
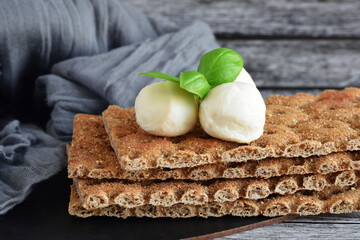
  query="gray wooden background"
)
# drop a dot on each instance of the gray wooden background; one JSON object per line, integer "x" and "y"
{"x": 288, "y": 46}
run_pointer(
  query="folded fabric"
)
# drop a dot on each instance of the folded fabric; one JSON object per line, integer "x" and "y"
{"x": 28, "y": 155}
{"x": 107, "y": 44}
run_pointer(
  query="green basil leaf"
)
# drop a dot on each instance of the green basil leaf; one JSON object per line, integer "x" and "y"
{"x": 220, "y": 66}
{"x": 194, "y": 82}
{"x": 161, "y": 76}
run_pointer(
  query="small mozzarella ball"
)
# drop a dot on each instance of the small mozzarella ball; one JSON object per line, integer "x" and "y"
{"x": 165, "y": 109}
{"x": 233, "y": 112}
{"x": 245, "y": 77}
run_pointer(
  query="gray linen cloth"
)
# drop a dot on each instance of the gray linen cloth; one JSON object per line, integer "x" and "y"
{"x": 77, "y": 56}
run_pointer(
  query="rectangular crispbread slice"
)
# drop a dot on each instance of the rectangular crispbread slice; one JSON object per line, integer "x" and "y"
{"x": 297, "y": 126}
{"x": 91, "y": 156}
{"x": 98, "y": 194}
{"x": 311, "y": 203}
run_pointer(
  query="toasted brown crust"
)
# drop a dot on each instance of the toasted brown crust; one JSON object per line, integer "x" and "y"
{"x": 297, "y": 126}
{"x": 99, "y": 194}
{"x": 91, "y": 156}
{"x": 311, "y": 203}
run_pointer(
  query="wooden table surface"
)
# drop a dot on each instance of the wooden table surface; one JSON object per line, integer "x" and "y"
{"x": 288, "y": 46}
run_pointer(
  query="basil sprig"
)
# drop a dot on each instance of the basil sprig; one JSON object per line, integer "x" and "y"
{"x": 220, "y": 66}
{"x": 194, "y": 82}
{"x": 216, "y": 67}
{"x": 191, "y": 81}
{"x": 161, "y": 76}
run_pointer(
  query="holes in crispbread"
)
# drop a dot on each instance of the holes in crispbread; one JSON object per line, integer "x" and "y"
{"x": 309, "y": 208}
{"x": 277, "y": 209}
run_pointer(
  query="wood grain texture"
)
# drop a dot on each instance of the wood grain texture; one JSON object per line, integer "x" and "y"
{"x": 326, "y": 226}
{"x": 279, "y": 63}
{"x": 263, "y": 18}
{"x": 288, "y": 92}
{"x": 299, "y": 63}
{"x": 322, "y": 226}
{"x": 330, "y": 218}
{"x": 301, "y": 231}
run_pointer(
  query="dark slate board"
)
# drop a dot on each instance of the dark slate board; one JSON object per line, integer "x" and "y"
{"x": 44, "y": 216}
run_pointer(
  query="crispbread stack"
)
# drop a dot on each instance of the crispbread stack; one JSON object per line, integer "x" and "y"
{"x": 305, "y": 163}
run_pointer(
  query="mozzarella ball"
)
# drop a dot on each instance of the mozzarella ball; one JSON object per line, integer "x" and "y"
{"x": 233, "y": 112}
{"x": 165, "y": 109}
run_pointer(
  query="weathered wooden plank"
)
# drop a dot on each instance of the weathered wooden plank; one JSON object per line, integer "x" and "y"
{"x": 301, "y": 231}
{"x": 299, "y": 63}
{"x": 262, "y": 18}
{"x": 288, "y": 92}
{"x": 320, "y": 226}
{"x": 330, "y": 218}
